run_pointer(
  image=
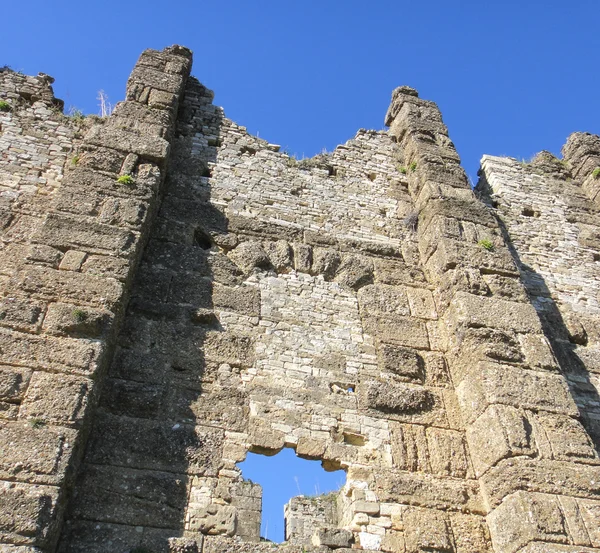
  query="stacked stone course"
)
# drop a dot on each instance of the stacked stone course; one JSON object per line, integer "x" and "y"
{"x": 365, "y": 307}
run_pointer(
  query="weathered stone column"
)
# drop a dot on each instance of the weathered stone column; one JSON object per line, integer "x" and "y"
{"x": 514, "y": 400}
{"x": 67, "y": 281}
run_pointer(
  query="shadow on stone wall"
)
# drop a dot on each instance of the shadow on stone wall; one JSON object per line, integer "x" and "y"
{"x": 160, "y": 423}
{"x": 563, "y": 344}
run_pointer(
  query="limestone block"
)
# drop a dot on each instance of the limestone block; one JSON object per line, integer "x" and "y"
{"x": 568, "y": 439}
{"x": 395, "y": 272}
{"x": 506, "y": 287}
{"x": 146, "y": 76}
{"x": 63, "y": 232}
{"x": 355, "y": 272}
{"x": 250, "y": 255}
{"x": 393, "y": 542}
{"x": 92, "y": 537}
{"x": 71, "y": 320}
{"x": 395, "y": 398}
{"x": 134, "y": 399}
{"x": 426, "y": 530}
{"x": 590, "y": 512}
{"x": 500, "y": 432}
{"x": 427, "y": 490}
{"x": 159, "y": 499}
{"x": 538, "y": 354}
{"x": 447, "y": 455}
{"x": 421, "y": 303}
{"x": 409, "y": 447}
{"x": 280, "y": 255}
{"x": 108, "y": 267}
{"x": 381, "y": 299}
{"x": 325, "y": 262}
{"x": 332, "y": 537}
{"x": 191, "y": 289}
{"x": 133, "y": 443}
{"x": 185, "y": 545}
{"x": 34, "y": 451}
{"x": 524, "y": 517}
{"x": 13, "y": 383}
{"x": 471, "y": 534}
{"x": 310, "y": 449}
{"x": 540, "y": 475}
{"x": 242, "y": 299}
{"x": 403, "y": 331}
{"x": 56, "y": 398}
{"x": 491, "y": 383}
{"x": 303, "y": 258}
{"x": 27, "y": 513}
{"x": 72, "y": 260}
{"x": 123, "y": 212}
{"x": 78, "y": 356}
{"x": 21, "y": 315}
{"x": 86, "y": 288}
{"x": 404, "y": 363}
{"x": 235, "y": 349}
{"x": 476, "y": 311}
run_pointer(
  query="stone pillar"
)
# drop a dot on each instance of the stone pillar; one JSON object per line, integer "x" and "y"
{"x": 68, "y": 282}
{"x": 513, "y": 398}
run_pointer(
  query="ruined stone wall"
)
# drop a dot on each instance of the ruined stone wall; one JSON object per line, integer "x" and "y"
{"x": 71, "y": 235}
{"x": 363, "y": 307}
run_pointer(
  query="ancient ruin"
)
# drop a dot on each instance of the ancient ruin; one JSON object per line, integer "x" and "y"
{"x": 177, "y": 293}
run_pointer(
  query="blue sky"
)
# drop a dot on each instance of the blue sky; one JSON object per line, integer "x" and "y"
{"x": 511, "y": 77}
{"x": 283, "y": 476}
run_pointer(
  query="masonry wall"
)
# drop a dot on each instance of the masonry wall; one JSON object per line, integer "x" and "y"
{"x": 71, "y": 238}
{"x": 363, "y": 307}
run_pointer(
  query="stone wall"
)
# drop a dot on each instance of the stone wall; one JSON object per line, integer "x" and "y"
{"x": 363, "y": 307}
{"x": 72, "y": 234}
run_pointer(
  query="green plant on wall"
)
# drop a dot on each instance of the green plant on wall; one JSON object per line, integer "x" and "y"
{"x": 79, "y": 315}
{"x": 596, "y": 173}
{"x": 125, "y": 179}
{"x": 4, "y": 106}
{"x": 486, "y": 244}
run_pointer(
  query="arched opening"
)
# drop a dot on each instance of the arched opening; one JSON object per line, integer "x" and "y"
{"x": 285, "y": 476}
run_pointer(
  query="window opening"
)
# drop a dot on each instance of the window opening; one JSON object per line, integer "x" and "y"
{"x": 282, "y": 477}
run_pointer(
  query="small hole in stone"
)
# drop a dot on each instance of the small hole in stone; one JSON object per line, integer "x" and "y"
{"x": 354, "y": 439}
{"x": 202, "y": 239}
{"x": 529, "y": 212}
{"x": 596, "y": 256}
{"x": 206, "y": 172}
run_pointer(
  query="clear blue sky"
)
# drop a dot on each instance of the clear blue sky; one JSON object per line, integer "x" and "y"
{"x": 511, "y": 77}
{"x": 283, "y": 476}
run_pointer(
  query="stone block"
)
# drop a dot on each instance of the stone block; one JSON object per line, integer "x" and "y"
{"x": 71, "y": 355}
{"x": 568, "y": 439}
{"x": 241, "y": 299}
{"x": 396, "y": 398}
{"x": 421, "y": 303}
{"x": 64, "y": 319}
{"x": 146, "y": 146}
{"x": 308, "y": 448}
{"x": 409, "y": 447}
{"x": 426, "y": 490}
{"x": 500, "y": 432}
{"x": 51, "y": 284}
{"x": 34, "y": 451}
{"x": 491, "y": 383}
{"x": 123, "y": 212}
{"x": 28, "y": 513}
{"x": 471, "y": 534}
{"x": 332, "y": 537}
{"x": 355, "y": 272}
{"x": 67, "y": 232}
{"x": 249, "y": 255}
{"x": 426, "y": 530}
{"x": 57, "y": 398}
{"x": 404, "y": 363}
{"x": 133, "y": 443}
{"x": 134, "y": 399}
{"x": 477, "y": 311}
{"x": 382, "y": 299}
{"x": 82, "y": 536}
{"x": 72, "y": 260}
{"x": 447, "y": 454}
{"x": 402, "y": 331}
{"x": 213, "y": 520}
{"x": 107, "y": 267}
{"x": 21, "y": 314}
{"x": 524, "y": 517}
{"x": 120, "y": 495}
